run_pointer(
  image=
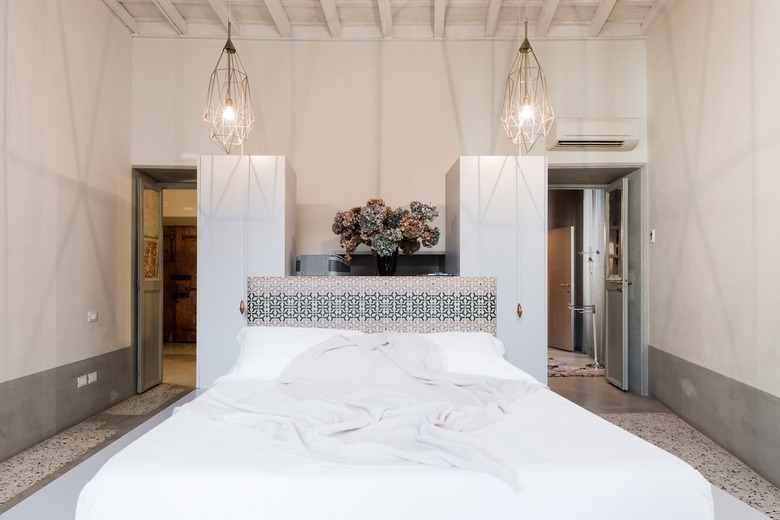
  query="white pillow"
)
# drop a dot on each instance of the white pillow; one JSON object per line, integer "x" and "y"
{"x": 266, "y": 351}
{"x": 454, "y": 344}
{"x": 477, "y": 353}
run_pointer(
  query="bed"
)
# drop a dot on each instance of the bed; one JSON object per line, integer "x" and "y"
{"x": 324, "y": 422}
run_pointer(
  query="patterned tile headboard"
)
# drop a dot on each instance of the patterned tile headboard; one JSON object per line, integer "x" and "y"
{"x": 374, "y": 303}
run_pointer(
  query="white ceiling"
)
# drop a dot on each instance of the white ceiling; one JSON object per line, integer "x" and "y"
{"x": 389, "y": 19}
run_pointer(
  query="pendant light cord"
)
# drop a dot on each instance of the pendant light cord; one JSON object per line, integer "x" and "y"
{"x": 244, "y": 209}
{"x": 230, "y": 68}
{"x": 519, "y": 188}
{"x": 519, "y": 226}
{"x": 523, "y": 36}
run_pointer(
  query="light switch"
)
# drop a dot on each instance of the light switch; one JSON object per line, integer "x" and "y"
{"x": 81, "y": 381}
{"x": 652, "y": 236}
{"x": 92, "y": 316}
{"x": 92, "y": 377}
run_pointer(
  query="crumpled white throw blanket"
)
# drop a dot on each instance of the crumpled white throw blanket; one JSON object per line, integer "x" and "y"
{"x": 377, "y": 399}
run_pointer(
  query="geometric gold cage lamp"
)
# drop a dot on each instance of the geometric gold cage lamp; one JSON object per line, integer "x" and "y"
{"x": 527, "y": 114}
{"x": 228, "y": 114}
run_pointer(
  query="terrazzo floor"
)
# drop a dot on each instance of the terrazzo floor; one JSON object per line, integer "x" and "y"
{"x": 719, "y": 467}
{"x": 30, "y": 470}
{"x": 650, "y": 420}
{"x": 42, "y": 462}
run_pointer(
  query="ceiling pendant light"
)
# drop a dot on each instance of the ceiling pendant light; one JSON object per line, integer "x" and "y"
{"x": 527, "y": 113}
{"x": 228, "y": 114}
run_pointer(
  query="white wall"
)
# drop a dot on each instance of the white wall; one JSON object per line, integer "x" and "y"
{"x": 363, "y": 119}
{"x": 65, "y": 245}
{"x": 246, "y": 225}
{"x": 715, "y": 141}
{"x": 497, "y": 226}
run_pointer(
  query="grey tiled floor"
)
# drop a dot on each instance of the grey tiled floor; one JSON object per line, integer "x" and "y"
{"x": 594, "y": 393}
{"x": 598, "y": 396}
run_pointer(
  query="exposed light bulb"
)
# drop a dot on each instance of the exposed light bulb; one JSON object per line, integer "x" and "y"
{"x": 527, "y": 112}
{"x": 229, "y": 114}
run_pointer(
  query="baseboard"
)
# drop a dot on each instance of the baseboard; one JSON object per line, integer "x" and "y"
{"x": 739, "y": 417}
{"x": 35, "y": 407}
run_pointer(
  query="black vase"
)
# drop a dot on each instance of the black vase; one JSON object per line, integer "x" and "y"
{"x": 386, "y": 265}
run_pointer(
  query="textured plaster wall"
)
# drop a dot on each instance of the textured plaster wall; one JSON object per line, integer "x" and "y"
{"x": 714, "y": 136}
{"x": 65, "y": 123}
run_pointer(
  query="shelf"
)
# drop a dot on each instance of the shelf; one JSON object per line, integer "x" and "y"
{"x": 364, "y": 264}
{"x": 367, "y": 252}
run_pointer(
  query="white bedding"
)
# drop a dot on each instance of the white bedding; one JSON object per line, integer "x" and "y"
{"x": 374, "y": 399}
{"x": 203, "y": 464}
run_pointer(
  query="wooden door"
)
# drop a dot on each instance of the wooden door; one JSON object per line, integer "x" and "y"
{"x": 181, "y": 282}
{"x": 560, "y": 290}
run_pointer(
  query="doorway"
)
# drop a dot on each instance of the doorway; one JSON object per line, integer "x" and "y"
{"x": 576, "y": 200}
{"x": 165, "y": 277}
{"x": 574, "y": 281}
{"x": 180, "y": 285}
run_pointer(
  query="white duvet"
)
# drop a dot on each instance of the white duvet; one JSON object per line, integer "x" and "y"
{"x": 374, "y": 399}
{"x": 371, "y": 428}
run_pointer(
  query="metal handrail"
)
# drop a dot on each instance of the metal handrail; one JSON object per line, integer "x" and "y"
{"x": 582, "y": 309}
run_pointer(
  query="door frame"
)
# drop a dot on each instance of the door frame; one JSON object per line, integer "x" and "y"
{"x": 165, "y": 179}
{"x": 640, "y": 236}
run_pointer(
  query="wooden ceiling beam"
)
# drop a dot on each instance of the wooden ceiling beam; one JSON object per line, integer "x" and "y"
{"x": 652, "y": 16}
{"x": 385, "y": 17}
{"x": 172, "y": 14}
{"x": 546, "y": 24}
{"x": 280, "y": 17}
{"x": 122, "y": 15}
{"x": 546, "y": 17}
{"x": 439, "y": 10}
{"x": 600, "y": 17}
{"x": 221, "y": 10}
{"x": 491, "y": 20}
{"x": 332, "y": 17}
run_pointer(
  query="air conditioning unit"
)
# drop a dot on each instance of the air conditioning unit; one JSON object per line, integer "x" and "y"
{"x": 593, "y": 134}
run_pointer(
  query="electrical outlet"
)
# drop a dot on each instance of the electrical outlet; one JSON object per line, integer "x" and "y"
{"x": 92, "y": 316}
{"x": 92, "y": 377}
{"x": 81, "y": 381}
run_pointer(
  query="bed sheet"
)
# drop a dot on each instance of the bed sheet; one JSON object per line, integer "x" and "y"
{"x": 570, "y": 463}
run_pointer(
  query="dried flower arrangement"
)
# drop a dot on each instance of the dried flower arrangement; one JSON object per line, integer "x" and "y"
{"x": 385, "y": 229}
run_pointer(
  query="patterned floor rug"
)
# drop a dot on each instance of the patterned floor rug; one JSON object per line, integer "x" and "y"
{"x": 557, "y": 368}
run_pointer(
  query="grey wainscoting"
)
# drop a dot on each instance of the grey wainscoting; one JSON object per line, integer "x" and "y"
{"x": 35, "y": 407}
{"x": 742, "y": 419}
